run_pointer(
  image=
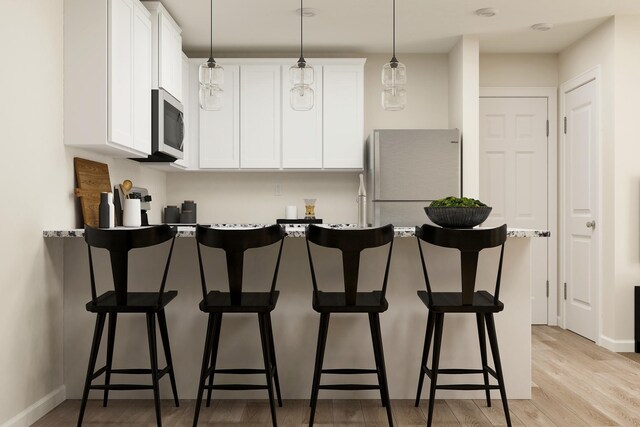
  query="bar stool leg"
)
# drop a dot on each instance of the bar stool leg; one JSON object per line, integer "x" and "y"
{"x": 164, "y": 334}
{"x": 272, "y": 346}
{"x": 425, "y": 355}
{"x": 434, "y": 364}
{"x": 372, "y": 326}
{"x": 111, "y": 336}
{"x": 493, "y": 341}
{"x": 153, "y": 355}
{"x": 93, "y": 356}
{"x": 483, "y": 355}
{"x": 203, "y": 371}
{"x": 317, "y": 373}
{"x": 268, "y": 367}
{"x": 217, "y": 319}
{"x": 383, "y": 371}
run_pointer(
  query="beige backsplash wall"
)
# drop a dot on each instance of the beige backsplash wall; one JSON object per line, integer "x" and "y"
{"x": 250, "y": 196}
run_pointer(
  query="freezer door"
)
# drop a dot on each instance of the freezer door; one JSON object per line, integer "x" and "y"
{"x": 416, "y": 164}
{"x": 400, "y": 214}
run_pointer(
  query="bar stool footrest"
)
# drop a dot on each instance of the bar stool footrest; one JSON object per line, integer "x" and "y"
{"x": 239, "y": 371}
{"x": 467, "y": 387}
{"x": 349, "y": 371}
{"x": 349, "y": 387}
{"x": 122, "y": 387}
{"x": 236, "y": 387}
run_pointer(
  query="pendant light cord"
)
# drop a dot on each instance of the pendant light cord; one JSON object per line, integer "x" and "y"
{"x": 301, "y": 28}
{"x": 394, "y": 31}
{"x": 211, "y": 29}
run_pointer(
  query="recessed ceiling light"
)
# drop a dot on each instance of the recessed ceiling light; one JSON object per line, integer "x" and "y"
{"x": 543, "y": 26}
{"x": 487, "y": 12}
{"x": 307, "y": 12}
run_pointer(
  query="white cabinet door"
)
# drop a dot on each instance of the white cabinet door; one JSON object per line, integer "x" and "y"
{"x": 220, "y": 130}
{"x": 120, "y": 76}
{"x": 302, "y": 130}
{"x": 188, "y": 141}
{"x": 170, "y": 58}
{"x": 343, "y": 117}
{"x": 260, "y": 99}
{"x": 142, "y": 80}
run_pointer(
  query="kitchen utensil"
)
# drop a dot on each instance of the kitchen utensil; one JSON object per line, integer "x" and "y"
{"x": 454, "y": 217}
{"x": 93, "y": 179}
{"x": 127, "y": 185}
{"x": 131, "y": 216}
{"x": 291, "y": 212}
{"x": 310, "y": 208}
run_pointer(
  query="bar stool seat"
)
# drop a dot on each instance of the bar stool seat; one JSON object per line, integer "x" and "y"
{"x": 336, "y": 302}
{"x": 137, "y": 302}
{"x": 451, "y": 302}
{"x": 251, "y": 302}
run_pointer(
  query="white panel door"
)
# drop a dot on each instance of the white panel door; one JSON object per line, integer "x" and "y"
{"x": 120, "y": 74}
{"x": 220, "y": 130}
{"x": 580, "y": 173}
{"x": 176, "y": 65}
{"x": 302, "y": 130}
{"x": 343, "y": 117}
{"x": 167, "y": 62}
{"x": 260, "y": 107}
{"x": 142, "y": 80}
{"x": 513, "y": 177}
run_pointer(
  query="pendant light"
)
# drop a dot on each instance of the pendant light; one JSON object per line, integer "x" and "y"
{"x": 211, "y": 78}
{"x": 394, "y": 78}
{"x": 301, "y": 96}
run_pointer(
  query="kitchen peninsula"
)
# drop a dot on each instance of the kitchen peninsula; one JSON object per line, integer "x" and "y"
{"x": 295, "y": 323}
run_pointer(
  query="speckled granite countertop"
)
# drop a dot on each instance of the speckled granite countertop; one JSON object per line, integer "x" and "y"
{"x": 296, "y": 230}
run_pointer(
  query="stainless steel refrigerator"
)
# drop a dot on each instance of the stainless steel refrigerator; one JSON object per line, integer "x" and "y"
{"x": 407, "y": 169}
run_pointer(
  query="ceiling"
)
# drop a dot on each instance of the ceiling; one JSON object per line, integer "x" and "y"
{"x": 364, "y": 26}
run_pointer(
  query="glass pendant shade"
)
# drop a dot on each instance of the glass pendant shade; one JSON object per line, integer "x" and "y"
{"x": 301, "y": 97}
{"x": 211, "y": 97}
{"x": 211, "y": 74}
{"x": 394, "y": 98}
{"x": 394, "y": 73}
{"x": 301, "y": 74}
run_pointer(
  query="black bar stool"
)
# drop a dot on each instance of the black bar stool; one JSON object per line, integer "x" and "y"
{"x": 216, "y": 303}
{"x": 351, "y": 243}
{"x": 482, "y": 303}
{"x": 119, "y": 243}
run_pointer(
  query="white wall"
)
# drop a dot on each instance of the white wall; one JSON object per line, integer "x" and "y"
{"x": 250, "y": 197}
{"x": 464, "y": 108}
{"x": 518, "y": 70}
{"x": 38, "y": 177}
{"x": 597, "y": 48}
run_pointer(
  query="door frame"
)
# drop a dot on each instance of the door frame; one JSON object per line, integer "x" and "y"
{"x": 593, "y": 74}
{"x": 551, "y": 94}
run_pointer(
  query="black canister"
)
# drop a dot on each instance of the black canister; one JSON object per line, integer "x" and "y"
{"x": 189, "y": 215}
{"x": 171, "y": 215}
{"x": 103, "y": 211}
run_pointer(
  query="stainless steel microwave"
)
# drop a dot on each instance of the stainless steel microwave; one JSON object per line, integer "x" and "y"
{"x": 167, "y": 126}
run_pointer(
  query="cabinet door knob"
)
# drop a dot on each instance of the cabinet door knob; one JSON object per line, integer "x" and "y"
{"x": 591, "y": 224}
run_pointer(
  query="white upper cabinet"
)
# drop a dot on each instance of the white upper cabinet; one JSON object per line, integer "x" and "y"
{"x": 302, "y": 130}
{"x": 220, "y": 130}
{"x": 107, "y": 76}
{"x": 343, "y": 117}
{"x": 167, "y": 50}
{"x": 260, "y": 97}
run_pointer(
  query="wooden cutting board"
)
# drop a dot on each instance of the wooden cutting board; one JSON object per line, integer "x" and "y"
{"x": 92, "y": 179}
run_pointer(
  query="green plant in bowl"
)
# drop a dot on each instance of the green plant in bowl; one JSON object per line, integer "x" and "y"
{"x": 457, "y": 212}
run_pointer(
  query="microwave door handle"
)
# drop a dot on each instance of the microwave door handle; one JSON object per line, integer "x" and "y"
{"x": 181, "y": 121}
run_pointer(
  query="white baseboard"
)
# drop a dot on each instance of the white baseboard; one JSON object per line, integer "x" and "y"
{"x": 617, "y": 346}
{"x": 37, "y": 410}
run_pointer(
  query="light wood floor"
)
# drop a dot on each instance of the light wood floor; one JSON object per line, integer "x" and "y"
{"x": 576, "y": 383}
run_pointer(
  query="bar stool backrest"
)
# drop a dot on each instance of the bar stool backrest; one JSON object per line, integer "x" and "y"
{"x": 235, "y": 242}
{"x": 469, "y": 242}
{"x": 119, "y": 242}
{"x": 351, "y": 242}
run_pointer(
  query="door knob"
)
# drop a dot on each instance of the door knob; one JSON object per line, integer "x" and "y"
{"x": 591, "y": 224}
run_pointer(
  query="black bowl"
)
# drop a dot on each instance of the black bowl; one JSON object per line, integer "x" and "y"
{"x": 454, "y": 217}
